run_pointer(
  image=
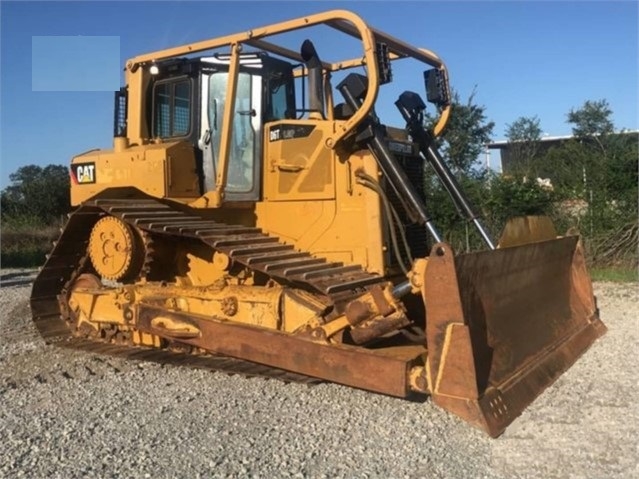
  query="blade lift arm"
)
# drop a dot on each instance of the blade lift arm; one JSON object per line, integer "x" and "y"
{"x": 353, "y": 88}
{"x": 411, "y": 107}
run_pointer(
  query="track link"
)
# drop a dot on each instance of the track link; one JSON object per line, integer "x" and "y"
{"x": 248, "y": 246}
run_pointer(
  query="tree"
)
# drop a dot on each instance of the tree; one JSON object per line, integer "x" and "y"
{"x": 524, "y": 134}
{"x": 466, "y": 134}
{"x": 461, "y": 143}
{"x": 597, "y": 170}
{"x": 567, "y": 162}
{"x": 36, "y": 194}
{"x": 592, "y": 123}
{"x": 592, "y": 119}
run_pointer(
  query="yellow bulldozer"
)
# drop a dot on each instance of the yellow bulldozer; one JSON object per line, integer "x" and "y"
{"x": 254, "y": 208}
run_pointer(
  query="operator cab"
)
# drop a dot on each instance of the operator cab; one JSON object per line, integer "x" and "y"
{"x": 188, "y": 97}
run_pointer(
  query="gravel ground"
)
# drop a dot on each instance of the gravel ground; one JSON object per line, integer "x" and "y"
{"x": 73, "y": 414}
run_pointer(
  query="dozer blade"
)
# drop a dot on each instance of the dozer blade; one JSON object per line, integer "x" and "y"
{"x": 503, "y": 325}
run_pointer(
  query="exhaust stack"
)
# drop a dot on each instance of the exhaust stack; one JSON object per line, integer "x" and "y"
{"x": 315, "y": 87}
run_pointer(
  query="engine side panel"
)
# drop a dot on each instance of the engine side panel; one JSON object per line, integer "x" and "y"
{"x": 312, "y": 199}
{"x": 159, "y": 170}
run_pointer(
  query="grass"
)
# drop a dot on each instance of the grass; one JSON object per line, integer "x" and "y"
{"x": 614, "y": 274}
{"x": 25, "y": 246}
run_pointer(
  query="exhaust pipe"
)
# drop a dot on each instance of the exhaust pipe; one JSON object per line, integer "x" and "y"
{"x": 315, "y": 87}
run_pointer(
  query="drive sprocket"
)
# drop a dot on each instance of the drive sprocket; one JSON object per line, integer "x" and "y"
{"x": 116, "y": 249}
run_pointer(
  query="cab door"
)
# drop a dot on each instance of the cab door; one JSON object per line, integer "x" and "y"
{"x": 244, "y": 168}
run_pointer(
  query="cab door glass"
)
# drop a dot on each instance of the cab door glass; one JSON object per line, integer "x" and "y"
{"x": 241, "y": 154}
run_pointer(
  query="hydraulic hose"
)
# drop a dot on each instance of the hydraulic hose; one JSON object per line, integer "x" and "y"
{"x": 392, "y": 218}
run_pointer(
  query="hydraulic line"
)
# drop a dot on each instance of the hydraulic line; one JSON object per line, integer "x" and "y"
{"x": 393, "y": 218}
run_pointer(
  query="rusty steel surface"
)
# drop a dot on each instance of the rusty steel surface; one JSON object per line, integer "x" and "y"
{"x": 503, "y": 325}
{"x": 377, "y": 327}
{"x": 209, "y": 362}
{"x": 383, "y": 372}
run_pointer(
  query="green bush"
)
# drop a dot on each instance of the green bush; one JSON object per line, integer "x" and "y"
{"x": 32, "y": 208}
{"x": 506, "y": 197}
{"x": 496, "y": 198}
{"x": 36, "y": 194}
{"x": 25, "y": 244}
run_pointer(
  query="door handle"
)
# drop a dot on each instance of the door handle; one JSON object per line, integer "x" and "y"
{"x": 288, "y": 167}
{"x": 205, "y": 140}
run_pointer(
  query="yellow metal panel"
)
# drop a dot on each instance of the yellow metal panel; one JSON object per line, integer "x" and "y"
{"x": 346, "y": 228}
{"x": 182, "y": 179}
{"x": 298, "y": 168}
{"x": 300, "y": 309}
{"x": 258, "y": 306}
{"x": 141, "y": 167}
{"x": 146, "y": 339}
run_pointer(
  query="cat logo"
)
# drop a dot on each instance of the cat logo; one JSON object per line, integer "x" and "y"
{"x": 83, "y": 173}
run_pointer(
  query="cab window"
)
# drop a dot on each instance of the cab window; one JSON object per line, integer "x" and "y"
{"x": 281, "y": 99}
{"x": 172, "y": 108}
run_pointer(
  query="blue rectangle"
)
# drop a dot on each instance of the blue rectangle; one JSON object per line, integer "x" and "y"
{"x": 75, "y": 63}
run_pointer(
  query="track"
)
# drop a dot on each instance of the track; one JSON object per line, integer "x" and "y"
{"x": 248, "y": 246}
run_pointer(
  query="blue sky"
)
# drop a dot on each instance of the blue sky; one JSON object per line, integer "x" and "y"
{"x": 524, "y": 58}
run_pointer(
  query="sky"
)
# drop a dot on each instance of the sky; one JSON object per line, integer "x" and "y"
{"x": 521, "y": 58}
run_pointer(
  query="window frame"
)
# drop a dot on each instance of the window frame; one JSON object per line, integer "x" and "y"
{"x": 173, "y": 81}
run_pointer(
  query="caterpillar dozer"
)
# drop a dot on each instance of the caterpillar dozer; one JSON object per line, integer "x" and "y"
{"x": 255, "y": 207}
